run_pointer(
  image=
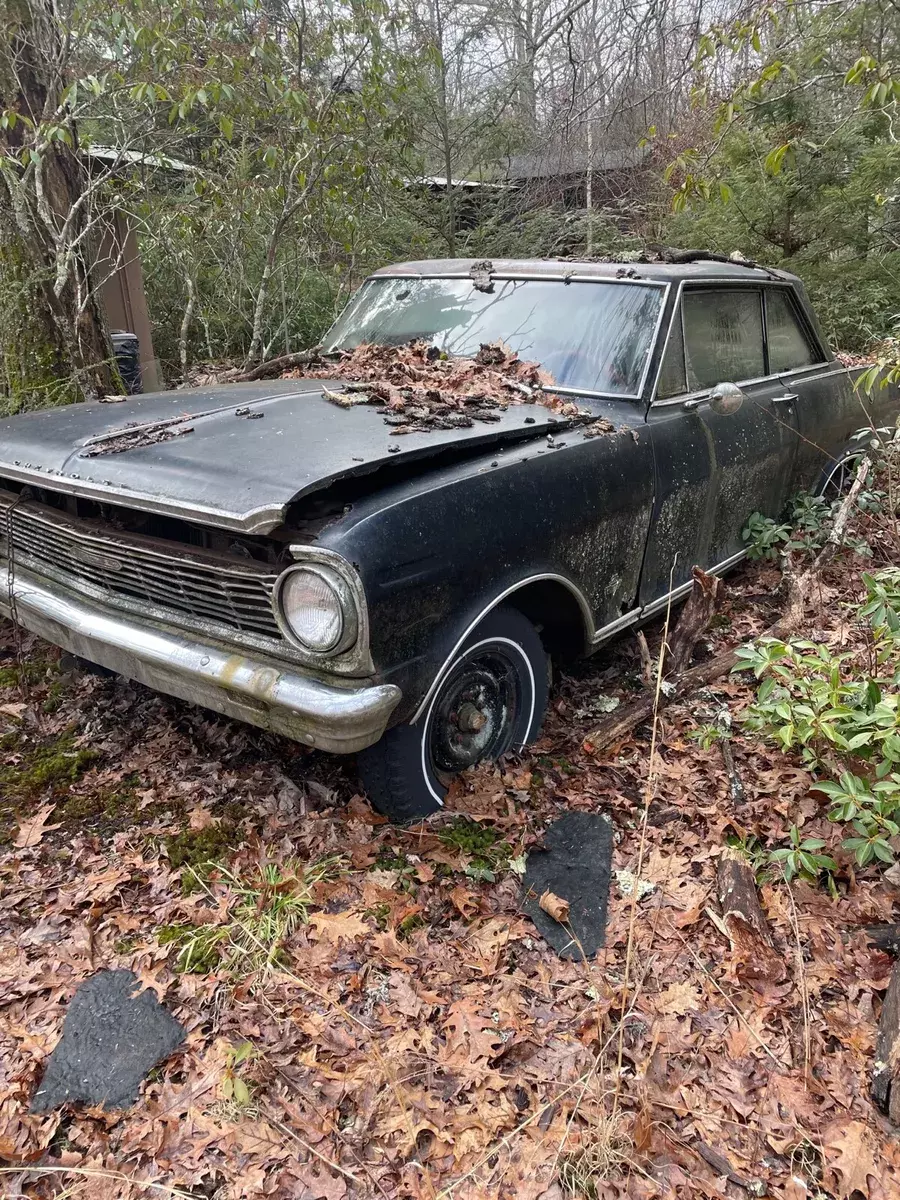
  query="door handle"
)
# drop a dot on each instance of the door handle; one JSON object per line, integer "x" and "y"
{"x": 788, "y": 398}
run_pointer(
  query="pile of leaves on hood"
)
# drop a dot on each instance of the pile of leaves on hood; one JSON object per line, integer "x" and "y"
{"x": 417, "y": 387}
{"x": 370, "y": 1016}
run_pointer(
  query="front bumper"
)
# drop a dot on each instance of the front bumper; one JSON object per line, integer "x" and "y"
{"x": 261, "y": 691}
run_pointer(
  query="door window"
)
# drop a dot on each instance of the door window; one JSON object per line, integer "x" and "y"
{"x": 789, "y": 347}
{"x": 723, "y": 337}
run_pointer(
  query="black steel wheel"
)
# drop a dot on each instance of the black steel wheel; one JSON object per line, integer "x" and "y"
{"x": 489, "y": 700}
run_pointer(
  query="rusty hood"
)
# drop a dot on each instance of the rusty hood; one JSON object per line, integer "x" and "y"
{"x": 234, "y": 456}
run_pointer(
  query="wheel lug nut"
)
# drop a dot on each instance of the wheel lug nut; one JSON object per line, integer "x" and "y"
{"x": 470, "y": 719}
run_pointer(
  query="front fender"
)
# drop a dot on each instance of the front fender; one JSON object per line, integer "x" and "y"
{"x": 437, "y": 553}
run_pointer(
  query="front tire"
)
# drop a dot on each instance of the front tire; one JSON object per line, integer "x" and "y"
{"x": 491, "y": 699}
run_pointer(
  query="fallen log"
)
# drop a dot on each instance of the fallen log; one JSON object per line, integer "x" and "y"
{"x": 702, "y": 602}
{"x": 885, "y": 937}
{"x": 735, "y": 783}
{"x": 744, "y": 920}
{"x": 885, "y": 1088}
{"x": 742, "y": 913}
{"x": 795, "y": 587}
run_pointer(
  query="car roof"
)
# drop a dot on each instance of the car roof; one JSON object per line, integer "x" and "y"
{"x": 546, "y": 268}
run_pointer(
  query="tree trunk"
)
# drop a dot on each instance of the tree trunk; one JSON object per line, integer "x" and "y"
{"x": 44, "y": 224}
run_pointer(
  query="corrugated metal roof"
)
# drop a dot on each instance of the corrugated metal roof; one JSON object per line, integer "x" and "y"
{"x": 114, "y": 156}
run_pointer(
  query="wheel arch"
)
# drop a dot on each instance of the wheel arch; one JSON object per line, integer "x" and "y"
{"x": 852, "y": 451}
{"x": 553, "y": 603}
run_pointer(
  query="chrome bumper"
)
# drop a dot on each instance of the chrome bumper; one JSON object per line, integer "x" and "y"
{"x": 342, "y": 720}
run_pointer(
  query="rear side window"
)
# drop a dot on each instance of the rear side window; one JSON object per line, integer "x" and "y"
{"x": 789, "y": 347}
{"x": 723, "y": 337}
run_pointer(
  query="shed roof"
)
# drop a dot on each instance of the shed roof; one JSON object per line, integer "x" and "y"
{"x": 557, "y": 160}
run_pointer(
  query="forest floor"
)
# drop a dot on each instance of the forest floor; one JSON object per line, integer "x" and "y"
{"x": 414, "y": 1036}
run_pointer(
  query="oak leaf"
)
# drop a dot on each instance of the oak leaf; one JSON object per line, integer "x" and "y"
{"x": 487, "y": 942}
{"x": 33, "y": 828}
{"x": 678, "y": 998}
{"x": 471, "y": 1035}
{"x": 849, "y": 1156}
{"x": 336, "y": 927}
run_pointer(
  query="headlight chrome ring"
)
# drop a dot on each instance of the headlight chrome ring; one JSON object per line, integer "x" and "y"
{"x": 315, "y": 608}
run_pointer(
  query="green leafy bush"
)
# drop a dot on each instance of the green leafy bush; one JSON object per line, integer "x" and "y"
{"x": 842, "y": 717}
{"x": 808, "y": 522}
{"x": 801, "y": 857}
{"x": 764, "y": 537}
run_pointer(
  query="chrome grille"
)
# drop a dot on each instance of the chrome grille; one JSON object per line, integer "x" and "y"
{"x": 129, "y": 571}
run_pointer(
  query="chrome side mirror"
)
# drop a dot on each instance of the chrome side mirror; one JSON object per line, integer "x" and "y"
{"x": 725, "y": 399}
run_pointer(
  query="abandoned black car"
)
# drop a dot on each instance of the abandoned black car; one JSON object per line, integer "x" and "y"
{"x": 279, "y": 553}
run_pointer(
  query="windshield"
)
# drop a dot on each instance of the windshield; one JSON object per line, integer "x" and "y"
{"x": 592, "y": 337}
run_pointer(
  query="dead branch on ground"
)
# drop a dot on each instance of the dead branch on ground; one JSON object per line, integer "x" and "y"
{"x": 744, "y": 920}
{"x": 274, "y": 366}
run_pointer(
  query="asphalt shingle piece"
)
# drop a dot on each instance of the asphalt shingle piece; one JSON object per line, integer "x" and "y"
{"x": 112, "y": 1035}
{"x": 574, "y": 864}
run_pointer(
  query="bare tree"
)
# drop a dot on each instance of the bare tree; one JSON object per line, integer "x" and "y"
{"x": 45, "y": 197}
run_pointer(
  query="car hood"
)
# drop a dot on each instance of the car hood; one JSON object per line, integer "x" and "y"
{"x": 234, "y": 456}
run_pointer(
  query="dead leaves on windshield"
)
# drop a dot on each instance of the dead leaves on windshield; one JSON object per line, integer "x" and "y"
{"x": 413, "y": 1037}
{"x": 417, "y": 388}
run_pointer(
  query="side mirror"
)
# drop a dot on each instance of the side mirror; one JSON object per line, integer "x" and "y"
{"x": 725, "y": 399}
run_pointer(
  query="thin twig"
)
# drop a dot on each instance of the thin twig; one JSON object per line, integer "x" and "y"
{"x": 801, "y": 981}
{"x": 92, "y": 1173}
{"x": 642, "y": 845}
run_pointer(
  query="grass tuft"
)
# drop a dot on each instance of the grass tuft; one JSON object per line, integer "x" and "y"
{"x": 265, "y": 911}
{"x": 606, "y": 1148}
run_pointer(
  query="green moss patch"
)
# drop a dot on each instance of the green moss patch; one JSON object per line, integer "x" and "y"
{"x": 34, "y": 671}
{"x": 198, "y": 847}
{"x": 197, "y": 946}
{"x": 53, "y": 765}
{"x": 488, "y": 854}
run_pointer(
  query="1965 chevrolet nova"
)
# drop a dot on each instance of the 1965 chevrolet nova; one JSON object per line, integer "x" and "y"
{"x": 399, "y": 596}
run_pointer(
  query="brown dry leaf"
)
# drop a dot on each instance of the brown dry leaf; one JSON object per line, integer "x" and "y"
{"x": 678, "y": 998}
{"x": 320, "y": 1183}
{"x": 850, "y": 1156}
{"x": 488, "y": 941}
{"x": 465, "y": 902}
{"x": 34, "y": 827}
{"x": 200, "y": 818}
{"x": 337, "y": 927}
{"x": 554, "y": 906}
{"x": 471, "y": 1035}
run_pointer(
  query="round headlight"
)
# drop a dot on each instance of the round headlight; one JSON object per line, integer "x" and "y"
{"x": 311, "y": 602}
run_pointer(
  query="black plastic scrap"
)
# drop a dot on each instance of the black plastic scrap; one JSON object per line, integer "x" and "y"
{"x": 574, "y": 864}
{"x": 113, "y": 1033}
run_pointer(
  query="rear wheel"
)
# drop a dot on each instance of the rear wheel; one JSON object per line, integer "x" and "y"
{"x": 490, "y": 700}
{"x": 839, "y": 479}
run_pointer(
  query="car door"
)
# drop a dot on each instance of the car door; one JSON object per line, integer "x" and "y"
{"x": 829, "y": 408}
{"x": 714, "y": 469}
